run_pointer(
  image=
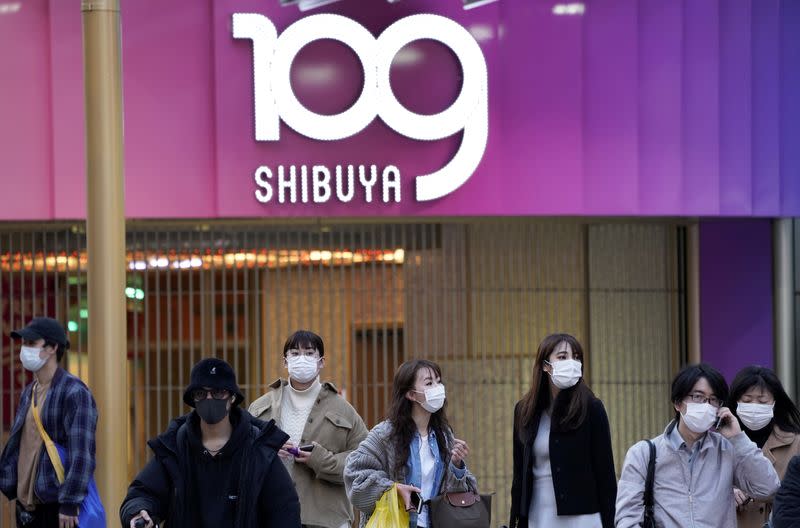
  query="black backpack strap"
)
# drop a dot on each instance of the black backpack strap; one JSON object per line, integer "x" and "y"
{"x": 648, "y": 485}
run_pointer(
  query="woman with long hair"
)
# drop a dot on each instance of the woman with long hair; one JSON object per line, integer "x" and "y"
{"x": 771, "y": 420}
{"x": 413, "y": 448}
{"x": 563, "y": 463}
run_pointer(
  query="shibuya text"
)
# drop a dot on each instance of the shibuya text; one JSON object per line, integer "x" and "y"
{"x": 322, "y": 184}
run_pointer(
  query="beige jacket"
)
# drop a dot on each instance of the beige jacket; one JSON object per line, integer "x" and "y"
{"x": 335, "y": 429}
{"x": 779, "y": 448}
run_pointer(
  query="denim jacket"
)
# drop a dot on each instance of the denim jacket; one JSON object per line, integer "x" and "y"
{"x": 414, "y": 470}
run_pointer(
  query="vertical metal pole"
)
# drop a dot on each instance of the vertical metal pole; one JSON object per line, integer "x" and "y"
{"x": 105, "y": 222}
{"x": 693, "y": 291}
{"x": 783, "y": 272}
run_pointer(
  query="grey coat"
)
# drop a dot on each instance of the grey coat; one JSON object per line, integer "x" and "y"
{"x": 702, "y": 498}
{"x": 369, "y": 472}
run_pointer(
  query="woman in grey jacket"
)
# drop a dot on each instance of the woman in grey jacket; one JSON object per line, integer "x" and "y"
{"x": 414, "y": 448}
{"x": 700, "y": 457}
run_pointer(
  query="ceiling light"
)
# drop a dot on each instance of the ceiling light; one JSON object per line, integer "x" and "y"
{"x": 472, "y": 4}
{"x": 306, "y": 5}
{"x": 10, "y": 8}
{"x": 573, "y": 9}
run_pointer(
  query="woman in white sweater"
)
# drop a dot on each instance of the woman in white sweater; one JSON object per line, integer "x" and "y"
{"x": 414, "y": 448}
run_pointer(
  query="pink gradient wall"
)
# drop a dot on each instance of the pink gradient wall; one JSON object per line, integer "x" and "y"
{"x": 634, "y": 108}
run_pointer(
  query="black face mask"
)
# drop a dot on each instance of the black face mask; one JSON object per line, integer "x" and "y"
{"x": 212, "y": 411}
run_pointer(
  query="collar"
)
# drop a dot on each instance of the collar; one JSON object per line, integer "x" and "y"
{"x": 676, "y": 441}
{"x": 281, "y": 382}
{"x": 778, "y": 438}
{"x": 267, "y": 402}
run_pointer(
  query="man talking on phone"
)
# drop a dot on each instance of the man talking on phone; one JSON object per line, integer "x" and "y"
{"x": 322, "y": 427}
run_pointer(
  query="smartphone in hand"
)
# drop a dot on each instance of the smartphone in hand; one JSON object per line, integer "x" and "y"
{"x": 416, "y": 500}
{"x": 307, "y": 448}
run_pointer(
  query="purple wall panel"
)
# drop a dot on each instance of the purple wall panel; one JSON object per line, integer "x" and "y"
{"x": 610, "y": 119}
{"x": 766, "y": 107}
{"x": 735, "y": 116}
{"x": 660, "y": 126}
{"x": 69, "y": 145}
{"x": 26, "y": 175}
{"x": 736, "y": 294}
{"x": 790, "y": 108}
{"x": 700, "y": 79}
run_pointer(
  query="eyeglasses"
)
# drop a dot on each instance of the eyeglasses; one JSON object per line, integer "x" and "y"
{"x": 307, "y": 352}
{"x": 697, "y": 397}
{"x": 217, "y": 394}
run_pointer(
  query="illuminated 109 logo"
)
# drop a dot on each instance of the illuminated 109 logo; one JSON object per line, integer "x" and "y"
{"x": 275, "y": 100}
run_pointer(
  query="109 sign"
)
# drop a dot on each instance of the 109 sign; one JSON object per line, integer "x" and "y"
{"x": 275, "y": 100}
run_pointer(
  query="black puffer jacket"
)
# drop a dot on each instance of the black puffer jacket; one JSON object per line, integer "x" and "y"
{"x": 786, "y": 508}
{"x": 245, "y": 485}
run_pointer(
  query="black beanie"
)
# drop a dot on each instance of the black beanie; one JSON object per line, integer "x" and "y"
{"x": 215, "y": 374}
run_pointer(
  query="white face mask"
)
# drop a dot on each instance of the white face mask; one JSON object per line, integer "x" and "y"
{"x": 30, "y": 358}
{"x": 434, "y": 398}
{"x": 699, "y": 417}
{"x": 755, "y": 416}
{"x": 565, "y": 373}
{"x": 303, "y": 368}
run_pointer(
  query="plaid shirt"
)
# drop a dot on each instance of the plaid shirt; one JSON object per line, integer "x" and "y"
{"x": 69, "y": 416}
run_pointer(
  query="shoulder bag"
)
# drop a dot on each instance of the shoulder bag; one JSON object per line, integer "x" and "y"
{"x": 91, "y": 513}
{"x": 649, "y": 513}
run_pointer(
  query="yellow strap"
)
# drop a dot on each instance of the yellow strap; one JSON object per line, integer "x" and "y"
{"x": 52, "y": 451}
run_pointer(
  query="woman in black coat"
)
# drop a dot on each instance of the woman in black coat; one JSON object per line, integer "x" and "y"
{"x": 563, "y": 462}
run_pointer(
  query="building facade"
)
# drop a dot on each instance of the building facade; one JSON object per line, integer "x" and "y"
{"x": 615, "y": 170}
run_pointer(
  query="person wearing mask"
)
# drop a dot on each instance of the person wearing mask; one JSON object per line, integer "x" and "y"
{"x": 771, "y": 420}
{"x": 216, "y": 466}
{"x": 563, "y": 462}
{"x": 322, "y": 427}
{"x": 69, "y": 416}
{"x": 702, "y": 454}
{"x": 413, "y": 448}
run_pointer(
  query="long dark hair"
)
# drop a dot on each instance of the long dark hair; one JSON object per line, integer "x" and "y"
{"x": 403, "y": 426}
{"x": 786, "y": 415}
{"x": 571, "y": 405}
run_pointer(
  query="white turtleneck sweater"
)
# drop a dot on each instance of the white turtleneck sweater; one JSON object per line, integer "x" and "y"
{"x": 295, "y": 408}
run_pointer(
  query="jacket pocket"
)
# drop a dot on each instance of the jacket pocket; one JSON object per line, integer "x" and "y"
{"x": 333, "y": 434}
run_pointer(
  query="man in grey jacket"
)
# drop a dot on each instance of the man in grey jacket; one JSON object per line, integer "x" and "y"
{"x": 702, "y": 454}
{"x": 322, "y": 427}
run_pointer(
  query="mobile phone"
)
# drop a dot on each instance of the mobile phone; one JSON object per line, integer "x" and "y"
{"x": 307, "y": 448}
{"x": 718, "y": 422}
{"x": 416, "y": 500}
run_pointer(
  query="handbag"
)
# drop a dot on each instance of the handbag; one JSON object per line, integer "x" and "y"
{"x": 466, "y": 509}
{"x": 649, "y": 513}
{"x": 91, "y": 513}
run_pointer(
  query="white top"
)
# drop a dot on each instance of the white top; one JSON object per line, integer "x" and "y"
{"x": 428, "y": 463}
{"x": 295, "y": 408}
{"x": 542, "y": 512}
{"x": 541, "y": 449}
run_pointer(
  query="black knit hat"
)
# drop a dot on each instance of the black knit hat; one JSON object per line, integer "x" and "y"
{"x": 215, "y": 374}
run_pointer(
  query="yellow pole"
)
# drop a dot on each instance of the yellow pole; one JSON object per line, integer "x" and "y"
{"x": 105, "y": 234}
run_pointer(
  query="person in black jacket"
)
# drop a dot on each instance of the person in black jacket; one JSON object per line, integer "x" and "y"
{"x": 563, "y": 461}
{"x": 786, "y": 507}
{"x": 216, "y": 466}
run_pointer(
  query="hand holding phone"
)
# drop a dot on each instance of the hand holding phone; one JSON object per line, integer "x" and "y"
{"x": 727, "y": 424}
{"x": 416, "y": 500}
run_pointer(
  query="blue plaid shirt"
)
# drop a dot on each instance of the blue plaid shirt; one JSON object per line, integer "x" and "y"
{"x": 69, "y": 416}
